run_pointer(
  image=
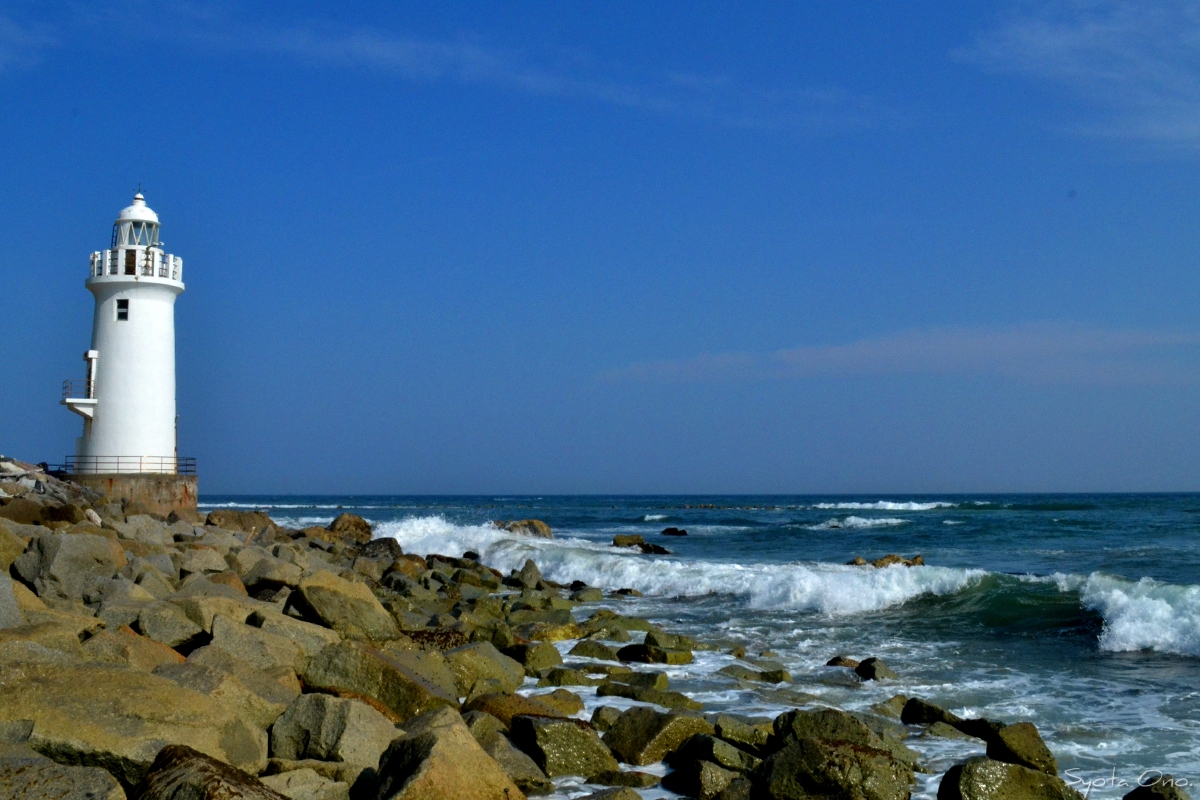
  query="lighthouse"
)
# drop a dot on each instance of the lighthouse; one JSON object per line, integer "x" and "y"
{"x": 127, "y": 397}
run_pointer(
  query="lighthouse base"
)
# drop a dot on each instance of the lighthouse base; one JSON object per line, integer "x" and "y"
{"x": 153, "y": 493}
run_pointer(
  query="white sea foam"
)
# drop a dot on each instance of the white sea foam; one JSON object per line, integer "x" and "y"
{"x": 1145, "y": 615}
{"x": 885, "y": 505}
{"x": 654, "y": 517}
{"x": 830, "y": 589}
{"x": 857, "y": 522}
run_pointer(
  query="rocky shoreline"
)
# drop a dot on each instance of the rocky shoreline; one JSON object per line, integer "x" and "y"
{"x": 230, "y": 657}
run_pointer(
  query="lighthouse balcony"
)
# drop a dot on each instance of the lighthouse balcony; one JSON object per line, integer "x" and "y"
{"x": 129, "y": 465}
{"x": 80, "y": 397}
{"x": 136, "y": 262}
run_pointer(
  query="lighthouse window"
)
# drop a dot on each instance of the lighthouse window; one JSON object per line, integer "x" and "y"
{"x": 130, "y": 262}
{"x": 122, "y": 309}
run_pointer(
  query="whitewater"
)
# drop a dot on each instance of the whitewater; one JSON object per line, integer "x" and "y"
{"x": 1079, "y": 613}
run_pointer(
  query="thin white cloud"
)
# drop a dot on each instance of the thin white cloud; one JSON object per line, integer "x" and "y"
{"x": 1138, "y": 60}
{"x": 22, "y": 43}
{"x": 1041, "y": 352}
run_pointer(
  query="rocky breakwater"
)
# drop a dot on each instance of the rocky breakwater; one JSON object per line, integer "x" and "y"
{"x": 153, "y": 658}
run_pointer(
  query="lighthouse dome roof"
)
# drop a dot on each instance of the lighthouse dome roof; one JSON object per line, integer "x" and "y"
{"x": 138, "y": 212}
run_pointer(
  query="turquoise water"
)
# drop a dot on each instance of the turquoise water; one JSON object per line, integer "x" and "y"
{"x": 1080, "y": 613}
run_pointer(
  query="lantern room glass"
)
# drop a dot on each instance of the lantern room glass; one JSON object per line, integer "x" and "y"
{"x": 134, "y": 233}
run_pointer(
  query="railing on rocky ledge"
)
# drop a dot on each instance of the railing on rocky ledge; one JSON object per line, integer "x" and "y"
{"x": 91, "y": 465}
{"x": 82, "y": 388}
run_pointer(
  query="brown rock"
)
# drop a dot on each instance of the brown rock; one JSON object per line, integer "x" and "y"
{"x": 982, "y": 778}
{"x": 123, "y": 646}
{"x": 234, "y": 520}
{"x": 1021, "y": 744}
{"x": 506, "y": 706}
{"x": 526, "y": 527}
{"x": 356, "y": 670}
{"x": 39, "y": 778}
{"x": 562, "y": 746}
{"x": 180, "y": 772}
{"x": 349, "y": 608}
{"x": 350, "y": 528}
{"x": 643, "y": 736}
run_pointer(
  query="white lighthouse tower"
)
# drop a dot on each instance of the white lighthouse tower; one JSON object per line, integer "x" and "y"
{"x": 127, "y": 400}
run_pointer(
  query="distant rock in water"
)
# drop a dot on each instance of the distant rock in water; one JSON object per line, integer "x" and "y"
{"x": 887, "y": 561}
{"x": 526, "y": 527}
{"x": 841, "y": 661}
{"x": 674, "y": 532}
{"x": 873, "y": 669}
{"x": 636, "y": 540}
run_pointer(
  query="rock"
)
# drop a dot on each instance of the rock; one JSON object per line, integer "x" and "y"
{"x": 255, "y": 647}
{"x": 529, "y": 576}
{"x": 623, "y": 793}
{"x": 747, "y": 674}
{"x": 650, "y": 654}
{"x": 1155, "y": 786}
{"x": 892, "y": 707}
{"x": 535, "y": 657}
{"x": 61, "y": 566}
{"x": 751, "y": 736}
{"x": 702, "y": 780}
{"x": 348, "y": 608}
{"x": 841, "y": 661}
{"x": 981, "y": 778}
{"x": 233, "y": 520}
{"x": 940, "y": 730}
{"x": 11, "y": 546}
{"x": 675, "y": 700}
{"x": 642, "y": 735}
{"x": 123, "y": 646}
{"x": 562, "y": 746}
{"x": 489, "y": 732}
{"x": 873, "y": 669}
{"x": 179, "y": 772}
{"x": 674, "y": 532}
{"x": 597, "y": 650}
{"x": 566, "y": 703}
{"x": 527, "y": 527}
{"x": 985, "y": 729}
{"x": 587, "y": 595}
{"x": 563, "y": 676}
{"x": 438, "y": 759}
{"x": 647, "y": 680}
{"x": 332, "y": 729}
{"x": 166, "y": 623}
{"x": 202, "y": 560}
{"x": 277, "y": 687}
{"x": 833, "y": 725}
{"x": 604, "y": 717}
{"x": 308, "y": 637}
{"x": 1021, "y": 744}
{"x": 471, "y": 662}
{"x": 91, "y": 714}
{"x": 225, "y": 688}
{"x": 706, "y": 747}
{"x": 306, "y": 784}
{"x": 919, "y": 712}
{"x": 815, "y": 768}
{"x": 38, "y": 779}
{"x": 350, "y": 528}
{"x": 385, "y": 548}
{"x": 628, "y": 540}
{"x": 506, "y": 706}
{"x": 11, "y": 615}
{"x": 271, "y": 573}
{"x": 630, "y": 778}
{"x": 201, "y": 609}
{"x": 354, "y": 669}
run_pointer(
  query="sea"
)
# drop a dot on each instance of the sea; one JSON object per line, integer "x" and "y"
{"x": 1079, "y": 613}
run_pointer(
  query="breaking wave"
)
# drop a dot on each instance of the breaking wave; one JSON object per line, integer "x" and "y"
{"x": 885, "y": 505}
{"x": 830, "y": 589}
{"x": 654, "y": 517}
{"x": 1144, "y": 615}
{"x": 857, "y": 522}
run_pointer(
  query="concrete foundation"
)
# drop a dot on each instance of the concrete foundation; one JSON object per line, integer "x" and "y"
{"x": 155, "y": 493}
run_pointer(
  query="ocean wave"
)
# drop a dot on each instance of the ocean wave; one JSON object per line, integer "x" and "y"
{"x": 885, "y": 505}
{"x": 830, "y": 589}
{"x": 1144, "y": 615}
{"x": 654, "y": 517}
{"x": 857, "y": 522}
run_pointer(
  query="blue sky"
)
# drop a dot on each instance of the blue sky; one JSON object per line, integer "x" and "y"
{"x": 698, "y": 247}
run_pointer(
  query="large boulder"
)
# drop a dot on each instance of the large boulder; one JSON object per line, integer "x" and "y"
{"x": 62, "y": 566}
{"x": 535, "y": 656}
{"x": 562, "y": 746}
{"x": 525, "y": 527}
{"x": 505, "y": 707}
{"x": 255, "y": 647}
{"x": 123, "y": 646}
{"x": 11, "y": 546}
{"x": 11, "y": 615}
{"x": 96, "y": 715}
{"x": 350, "y": 528}
{"x": 306, "y": 784}
{"x": 517, "y": 765}
{"x": 833, "y": 725}
{"x": 642, "y": 735}
{"x": 1154, "y": 785}
{"x": 277, "y": 686}
{"x": 29, "y": 779}
{"x": 481, "y": 660}
{"x": 982, "y": 778}
{"x": 920, "y": 712}
{"x": 234, "y": 520}
{"x": 310, "y": 638}
{"x": 166, "y": 623}
{"x": 438, "y": 759}
{"x": 357, "y": 670}
{"x": 1022, "y": 744}
{"x": 225, "y": 688}
{"x": 702, "y": 780}
{"x": 703, "y": 747}
{"x": 179, "y": 772}
{"x": 815, "y": 768}
{"x": 348, "y": 608}
{"x": 332, "y": 729}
